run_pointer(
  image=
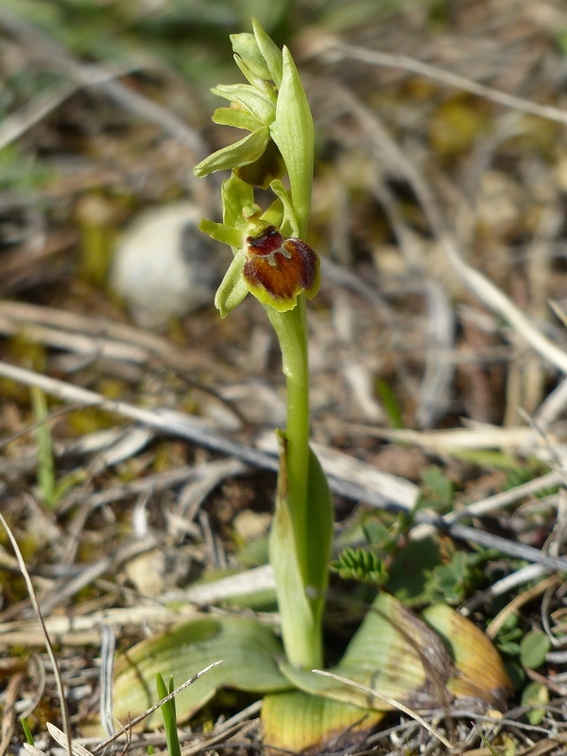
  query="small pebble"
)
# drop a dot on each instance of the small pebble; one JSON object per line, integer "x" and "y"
{"x": 164, "y": 267}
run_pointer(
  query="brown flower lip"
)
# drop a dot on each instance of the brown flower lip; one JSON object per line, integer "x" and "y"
{"x": 281, "y": 267}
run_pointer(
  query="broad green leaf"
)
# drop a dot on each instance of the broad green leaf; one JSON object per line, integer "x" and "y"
{"x": 296, "y": 722}
{"x": 246, "y": 150}
{"x": 534, "y": 647}
{"x": 480, "y": 672}
{"x": 394, "y": 653}
{"x": 232, "y": 289}
{"x": 247, "y": 649}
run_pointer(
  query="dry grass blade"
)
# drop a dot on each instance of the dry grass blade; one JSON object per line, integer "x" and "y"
{"x": 60, "y": 738}
{"x": 492, "y": 296}
{"x": 15, "y": 126}
{"x": 390, "y": 701}
{"x": 379, "y": 58}
{"x": 9, "y": 718}
{"x": 165, "y": 421}
{"x": 46, "y": 48}
{"x": 37, "y": 609}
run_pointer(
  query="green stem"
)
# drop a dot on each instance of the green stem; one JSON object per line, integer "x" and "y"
{"x": 299, "y": 567}
{"x": 291, "y": 330}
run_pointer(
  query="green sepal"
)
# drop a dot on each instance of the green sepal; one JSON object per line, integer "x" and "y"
{"x": 262, "y": 172}
{"x": 271, "y": 53}
{"x": 239, "y": 119}
{"x": 237, "y": 203}
{"x": 293, "y": 132}
{"x": 245, "y": 96}
{"x": 245, "y": 151}
{"x": 245, "y": 47}
{"x": 233, "y": 288}
{"x": 222, "y": 233}
{"x": 260, "y": 85}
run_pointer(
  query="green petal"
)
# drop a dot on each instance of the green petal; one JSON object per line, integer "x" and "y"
{"x": 240, "y": 153}
{"x": 289, "y": 225}
{"x": 222, "y": 233}
{"x": 232, "y": 289}
{"x": 247, "y": 97}
{"x": 239, "y": 119}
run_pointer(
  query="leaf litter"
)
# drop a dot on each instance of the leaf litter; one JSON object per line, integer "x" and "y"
{"x": 447, "y": 250}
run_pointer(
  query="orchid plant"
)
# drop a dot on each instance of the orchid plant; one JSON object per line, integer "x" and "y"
{"x": 272, "y": 261}
{"x": 394, "y": 659}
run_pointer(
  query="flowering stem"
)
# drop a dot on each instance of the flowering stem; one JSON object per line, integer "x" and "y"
{"x": 301, "y": 535}
{"x": 291, "y": 330}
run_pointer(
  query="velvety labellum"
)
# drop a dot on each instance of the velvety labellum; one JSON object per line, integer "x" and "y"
{"x": 282, "y": 267}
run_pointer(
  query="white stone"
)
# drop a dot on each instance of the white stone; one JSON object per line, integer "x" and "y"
{"x": 163, "y": 266}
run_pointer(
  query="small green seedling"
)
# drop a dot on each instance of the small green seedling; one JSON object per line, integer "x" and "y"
{"x": 51, "y": 490}
{"x": 169, "y": 715}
